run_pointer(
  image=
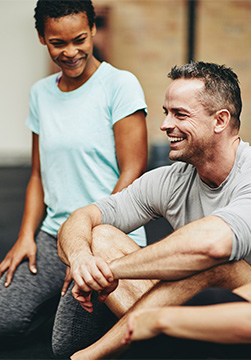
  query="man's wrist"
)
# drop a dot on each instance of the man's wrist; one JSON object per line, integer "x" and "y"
{"x": 114, "y": 268}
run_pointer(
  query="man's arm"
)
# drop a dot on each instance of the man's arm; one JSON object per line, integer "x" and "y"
{"x": 74, "y": 249}
{"x": 195, "y": 247}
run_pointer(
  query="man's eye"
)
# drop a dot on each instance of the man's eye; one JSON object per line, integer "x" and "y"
{"x": 180, "y": 115}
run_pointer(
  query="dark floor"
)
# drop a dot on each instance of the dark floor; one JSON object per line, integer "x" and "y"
{"x": 13, "y": 181}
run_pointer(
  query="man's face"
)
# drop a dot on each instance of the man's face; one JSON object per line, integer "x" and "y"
{"x": 188, "y": 126}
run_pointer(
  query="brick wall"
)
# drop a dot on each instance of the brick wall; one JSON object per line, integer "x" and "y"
{"x": 148, "y": 37}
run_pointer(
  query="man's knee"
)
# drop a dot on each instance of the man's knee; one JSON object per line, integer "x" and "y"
{"x": 110, "y": 243}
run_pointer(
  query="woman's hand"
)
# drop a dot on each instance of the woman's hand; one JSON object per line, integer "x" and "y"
{"x": 24, "y": 248}
{"x": 67, "y": 281}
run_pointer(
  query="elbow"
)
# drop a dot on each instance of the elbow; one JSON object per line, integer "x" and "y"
{"x": 242, "y": 330}
{"x": 219, "y": 250}
{"x": 244, "y": 334}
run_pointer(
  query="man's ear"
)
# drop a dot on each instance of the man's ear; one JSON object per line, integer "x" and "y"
{"x": 41, "y": 39}
{"x": 222, "y": 118}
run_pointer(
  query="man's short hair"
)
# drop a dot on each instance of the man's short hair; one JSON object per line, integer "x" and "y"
{"x": 57, "y": 8}
{"x": 221, "y": 90}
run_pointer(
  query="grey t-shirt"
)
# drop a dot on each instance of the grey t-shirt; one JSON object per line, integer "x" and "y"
{"x": 178, "y": 194}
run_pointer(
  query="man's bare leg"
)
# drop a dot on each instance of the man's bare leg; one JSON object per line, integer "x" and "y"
{"x": 230, "y": 276}
{"x": 111, "y": 243}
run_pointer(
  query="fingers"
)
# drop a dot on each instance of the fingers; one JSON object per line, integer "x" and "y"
{"x": 67, "y": 281}
{"x": 94, "y": 274}
{"x": 32, "y": 264}
{"x": 10, "y": 265}
{"x": 84, "y": 298}
{"x": 10, "y": 274}
{"x": 3, "y": 267}
{"x": 103, "y": 294}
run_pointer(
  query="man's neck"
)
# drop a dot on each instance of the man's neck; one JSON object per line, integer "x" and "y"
{"x": 217, "y": 169}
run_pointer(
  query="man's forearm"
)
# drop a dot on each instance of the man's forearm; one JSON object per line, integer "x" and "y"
{"x": 194, "y": 247}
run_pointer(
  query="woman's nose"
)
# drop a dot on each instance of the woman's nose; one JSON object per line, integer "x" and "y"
{"x": 70, "y": 51}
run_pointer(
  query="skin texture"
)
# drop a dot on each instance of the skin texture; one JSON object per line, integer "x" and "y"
{"x": 189, "y": 322}
{"x": 191, "y": 258}
{"x": 69, "y": 41}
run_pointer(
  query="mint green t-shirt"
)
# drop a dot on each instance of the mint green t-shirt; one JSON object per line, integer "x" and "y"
{"x": 76, "y": 140}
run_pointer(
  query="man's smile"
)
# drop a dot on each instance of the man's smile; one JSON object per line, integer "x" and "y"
{"x": 175, "y": 139}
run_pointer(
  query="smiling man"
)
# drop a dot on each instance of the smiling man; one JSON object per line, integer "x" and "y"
{"x": 205, "y": 195}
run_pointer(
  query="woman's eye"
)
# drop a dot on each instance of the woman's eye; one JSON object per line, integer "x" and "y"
{"x": 80, "y": 41}
{"x": 57, "y": 44}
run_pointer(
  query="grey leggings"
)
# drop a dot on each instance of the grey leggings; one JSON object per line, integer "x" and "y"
{"x": 23, "y": 300}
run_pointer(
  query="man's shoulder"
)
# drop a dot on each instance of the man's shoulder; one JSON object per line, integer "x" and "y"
{"x": 243, "y": 156}
{"x": 176, "y": 170}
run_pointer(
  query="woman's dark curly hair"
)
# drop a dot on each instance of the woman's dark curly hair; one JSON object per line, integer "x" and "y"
{"x": 57, "y": 8}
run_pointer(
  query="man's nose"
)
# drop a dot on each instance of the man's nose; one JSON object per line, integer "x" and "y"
{"x": 168, "y": 123}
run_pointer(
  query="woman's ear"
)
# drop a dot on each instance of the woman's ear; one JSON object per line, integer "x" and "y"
{"x": 93, "y": 30}
{"x": 41, "y": 39}
{"x": 222, "y": 118}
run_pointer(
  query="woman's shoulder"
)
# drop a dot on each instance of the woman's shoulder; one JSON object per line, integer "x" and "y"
{"x": 114, "y": 75}
{"x": 46, "y": 82}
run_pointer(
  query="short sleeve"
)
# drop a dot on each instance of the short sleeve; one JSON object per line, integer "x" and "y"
{"x": 32, "y": 121}
{"x": 127, "y": 96}
{"x": 135, "y": 205}
{"x": 237, "y": 216}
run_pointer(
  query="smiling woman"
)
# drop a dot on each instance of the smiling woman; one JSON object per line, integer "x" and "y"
{"x": 81, "y": 119}
{"x": 70, "y": 45}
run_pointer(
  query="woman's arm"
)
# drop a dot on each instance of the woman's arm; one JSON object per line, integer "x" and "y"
{"x": 225, "y": 323}
{"x": 33, "y": 213}
{"x": 131, "y": 148}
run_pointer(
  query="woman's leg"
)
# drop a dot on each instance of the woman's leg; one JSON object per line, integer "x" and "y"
{"x": 22, "y": 301}
{"x": 74, "y": 328}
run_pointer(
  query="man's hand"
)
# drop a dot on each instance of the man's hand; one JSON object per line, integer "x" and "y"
{"x": 84, "y": 298}
{"x": 23, "y": 249}
{"x": 91, "y": 273}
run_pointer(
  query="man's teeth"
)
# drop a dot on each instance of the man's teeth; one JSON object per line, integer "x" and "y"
{"x": 175, "y": 139}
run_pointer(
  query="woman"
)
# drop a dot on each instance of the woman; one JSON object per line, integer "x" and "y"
{"x": 89, "y": 140}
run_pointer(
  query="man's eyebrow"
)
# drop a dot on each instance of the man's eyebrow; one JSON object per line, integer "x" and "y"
{"x": 181, "y": 108}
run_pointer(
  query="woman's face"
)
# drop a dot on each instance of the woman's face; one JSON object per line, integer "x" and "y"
{"x": 70, "y": 44}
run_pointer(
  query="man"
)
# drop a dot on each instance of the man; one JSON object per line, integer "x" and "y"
{"x": 206, "y": 197}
